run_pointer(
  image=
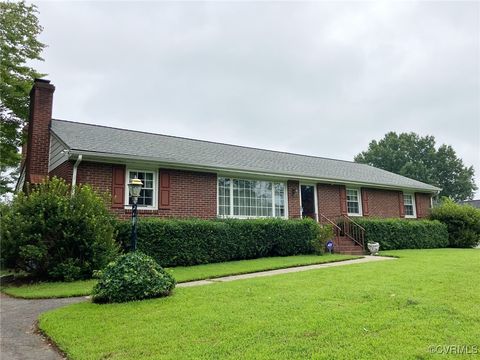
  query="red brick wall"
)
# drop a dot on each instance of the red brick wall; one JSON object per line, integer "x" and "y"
{"x": 423, "y": 203}
{"x": 38, "y": 143}
{"x": 193, "y": 194}
{"x": 383, "y": 203}
{"x": 293, "y": 194}
{"x": 63, "y": 171}
{"x": 98, "y": 175}
{"x": 329, "y": 200}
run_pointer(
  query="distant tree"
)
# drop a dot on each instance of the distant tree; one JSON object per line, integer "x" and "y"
{"x": 19, "y": 29}
{"x": 416, "y": 157}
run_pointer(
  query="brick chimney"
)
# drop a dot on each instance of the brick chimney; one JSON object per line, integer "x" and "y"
{"x": 38, "y": 142}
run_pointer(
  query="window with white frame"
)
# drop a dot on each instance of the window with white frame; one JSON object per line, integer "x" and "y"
{"x": 148, "y": 194}
{"x": 409, "y": 205}
{"x": 224, "y": 196}
{"x": 354, "y": 206}
{"x": 251, "y": 198}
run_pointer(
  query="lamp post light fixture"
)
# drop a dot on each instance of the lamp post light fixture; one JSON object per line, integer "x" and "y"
{"x": 134, "y": 188}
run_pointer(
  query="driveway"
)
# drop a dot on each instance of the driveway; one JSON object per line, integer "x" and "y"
{"x": 18, "y": 337}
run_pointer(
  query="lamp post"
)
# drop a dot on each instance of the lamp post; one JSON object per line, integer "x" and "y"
{"x": 134, "y": 187}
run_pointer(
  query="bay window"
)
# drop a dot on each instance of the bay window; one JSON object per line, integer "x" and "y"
{"x": 251, "y": 198}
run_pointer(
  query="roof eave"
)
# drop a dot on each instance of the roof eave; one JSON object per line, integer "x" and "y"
{"x": 122, "y": 158}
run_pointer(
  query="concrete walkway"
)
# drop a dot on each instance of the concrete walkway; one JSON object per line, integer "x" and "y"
{"x": 365, "y": 259}
{"x": 18, "y": 337}
{"x": 20, "y": 341}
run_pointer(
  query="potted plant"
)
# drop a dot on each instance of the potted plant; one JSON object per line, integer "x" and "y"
{"x": 374, "y": 247}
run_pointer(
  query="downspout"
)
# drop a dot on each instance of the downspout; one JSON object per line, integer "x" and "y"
{"x": 74, "y": 175}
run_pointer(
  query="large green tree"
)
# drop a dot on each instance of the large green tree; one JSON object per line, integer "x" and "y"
{"x": 19, "y": 29}
{"x": 417, "y": 157}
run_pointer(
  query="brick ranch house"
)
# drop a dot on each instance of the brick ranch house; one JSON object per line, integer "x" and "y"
{"x": 192, "y": 178}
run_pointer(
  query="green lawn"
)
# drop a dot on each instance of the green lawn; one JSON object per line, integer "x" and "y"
{"x": 393, "y": 309}
{"x": 45, "y": 290}
{"x": 210, "y": 271}
{"x": 181, "y": 274}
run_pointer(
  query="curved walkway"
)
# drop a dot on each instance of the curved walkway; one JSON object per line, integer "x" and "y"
{"x": 20, "y": 341}
{"x": 18, "y": 337}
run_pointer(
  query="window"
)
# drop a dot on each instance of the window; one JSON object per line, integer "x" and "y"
{"x": 354, "y": 206}
{"x": 409, "y": 205}
{"x": 147, "y": 196}
{"x": 223, "y": 196}
{"x": 250, "y": 198}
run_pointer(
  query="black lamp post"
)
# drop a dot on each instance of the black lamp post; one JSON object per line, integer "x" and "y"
{"x": 134, "y": 187}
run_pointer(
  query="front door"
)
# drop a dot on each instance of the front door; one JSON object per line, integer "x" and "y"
{"x": 308, "y": 201}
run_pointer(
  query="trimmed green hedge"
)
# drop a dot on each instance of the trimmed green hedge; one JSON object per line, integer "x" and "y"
{"x": 174, "y": 242}
{"x": 463, "y": 223}
{"x": 395, "y": 234}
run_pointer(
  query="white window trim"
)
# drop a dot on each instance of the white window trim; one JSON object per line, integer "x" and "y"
{"x": 155, "y": 189}
{"x": 414, "y": 206}
{"x": 359, "y": 196}
{"x": 314, "y": 194}
{"x": 232, "y": 216}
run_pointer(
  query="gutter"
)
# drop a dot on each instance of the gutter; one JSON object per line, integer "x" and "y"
{"x": 21, "y": 179}
{"x": 122, "y": 159}
{"x": 74, "y": 174}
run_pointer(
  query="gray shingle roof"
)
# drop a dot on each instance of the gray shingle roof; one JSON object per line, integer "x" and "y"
{"x": 106, "y": 141}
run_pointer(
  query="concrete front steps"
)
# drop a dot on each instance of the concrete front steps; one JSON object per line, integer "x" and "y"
{"x": 345, "y": 245}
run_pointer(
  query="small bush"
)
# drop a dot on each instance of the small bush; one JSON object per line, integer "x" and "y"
{"x": 395, "y": 234}
{"x": 133, "y": 276}
{"x": 51, "y": 234}
{"x": 189, "y": 242}
{"x": 462, "y": 221}
{"x": 325, "y": 234}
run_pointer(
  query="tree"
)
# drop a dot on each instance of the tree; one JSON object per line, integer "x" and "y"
{"x": 18, "y": 44}
{"x": 416, "y": 157}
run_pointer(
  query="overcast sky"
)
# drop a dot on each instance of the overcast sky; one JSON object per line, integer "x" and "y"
{"x": 318, "y": 78}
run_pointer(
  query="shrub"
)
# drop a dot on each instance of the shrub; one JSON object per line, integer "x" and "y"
{"x": 189, "y": 242}
{"x": 325, "y": 234}
{"x": 133, "y": 276}
{"x": 51, "y": 233}
{"x": 405, "y": 234}
{"x": 462, "y": 221}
